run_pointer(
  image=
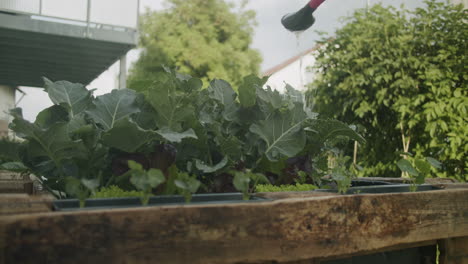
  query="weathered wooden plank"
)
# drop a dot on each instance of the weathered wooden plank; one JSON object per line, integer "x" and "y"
{"x": 421, "y": 245}
{"x": 12, "y": 182}
{"x": 13, "y": 204}
{"x": 454, "y": 251}
{"x": 283, "y": 230}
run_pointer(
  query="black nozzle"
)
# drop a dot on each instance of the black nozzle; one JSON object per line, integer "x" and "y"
{"x": 299, "y": 21}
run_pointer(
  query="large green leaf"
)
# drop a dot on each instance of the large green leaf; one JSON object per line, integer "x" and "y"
{"x": 109, "y": 108}
{"x": 53, "y": 143}
{"x": 283, "y": 134}
{"x": 127, "y": 136}
{"x": 22, "y": 127}
{"x": 294, "y": 95}
{"x": 422, "y": 166}
{"x": 51, "y": 116}
{"x": 330, "y": 129}
{"x": 231, "y": 146}
{"x": 406, "y": 166}
{"x": 268, "y": 100}
{"x": 177, "y": 137}
{"x": 172, "y": 107}
{"x": 222, "y": 92}
{"x": 146, "y": 118}
{"x": 435, "y": 163}
{"x": 73, "y": 96}
{"x": 210, "y": 169}
{"x": 76, "y": 123}
{"x": 248, "y": 88}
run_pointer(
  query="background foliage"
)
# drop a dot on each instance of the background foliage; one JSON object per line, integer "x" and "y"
{"x": 399, "y": 72}
{"x": 206, "y": 39}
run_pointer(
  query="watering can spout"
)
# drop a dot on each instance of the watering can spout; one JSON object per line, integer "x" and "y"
{"x": 302, "y": 19}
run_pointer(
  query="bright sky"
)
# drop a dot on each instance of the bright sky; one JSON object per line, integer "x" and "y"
{"x": 274, "y": 42}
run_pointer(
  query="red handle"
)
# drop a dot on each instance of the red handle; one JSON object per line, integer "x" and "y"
{"x": 315, "y": 3}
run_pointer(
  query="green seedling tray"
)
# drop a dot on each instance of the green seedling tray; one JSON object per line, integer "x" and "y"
{"x": 112, "y": 203}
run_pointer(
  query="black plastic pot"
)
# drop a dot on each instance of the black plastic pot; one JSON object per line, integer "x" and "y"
{"x": 391, "y": 188}
{"x": 112, "y": 203}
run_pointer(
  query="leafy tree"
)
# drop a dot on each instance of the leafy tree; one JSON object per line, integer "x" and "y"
{"x": 206, "y": 39}
{"x": 401, "y": 75}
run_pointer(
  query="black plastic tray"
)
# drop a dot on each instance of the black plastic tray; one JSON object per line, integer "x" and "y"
{"x": 110, "y": 203}
{"x": 365, "y": 182}
{"x": 394, "y": 188}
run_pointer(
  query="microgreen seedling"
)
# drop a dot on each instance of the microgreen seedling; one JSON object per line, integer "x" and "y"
{"x": 144, "y": 180}
{"x": 81, "y": 189}
{"x": 187, "y": 184}
{"x": 417, "y": 169}
{"x": 242, "y": 182}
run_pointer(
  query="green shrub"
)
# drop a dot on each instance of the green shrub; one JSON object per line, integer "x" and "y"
{"x": 400, "y": 75}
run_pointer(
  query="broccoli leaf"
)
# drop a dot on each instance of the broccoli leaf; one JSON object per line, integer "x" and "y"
{"x": 109, "y": 108}
{"x": 283, "y": 133}
{"x": 248, "y": 89}
{"x": 127, "y": 136}
{"x": 210, "y": 169}
{"x": 177, "y": 137}
{"x": 330, "y": 129}
{"x": 73, "y": 96}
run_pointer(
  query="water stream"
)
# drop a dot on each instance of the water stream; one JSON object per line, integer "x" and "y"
{"x": 301, "y": 78}
{"x": 298, "y": 42}
{"x": 302, "y": 86}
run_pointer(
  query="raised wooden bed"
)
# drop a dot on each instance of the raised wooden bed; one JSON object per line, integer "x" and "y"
{"x": 11, "y": 182}
{"x": 301, "y": 227}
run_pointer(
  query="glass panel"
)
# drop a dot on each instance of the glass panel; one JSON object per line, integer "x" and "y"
{"x": 21, "y": 6}
{"x": 69, "y": 9}
{"x": 119, "y": 13}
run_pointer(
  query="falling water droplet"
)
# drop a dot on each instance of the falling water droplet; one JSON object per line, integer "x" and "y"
{"x": 298, "y": 42}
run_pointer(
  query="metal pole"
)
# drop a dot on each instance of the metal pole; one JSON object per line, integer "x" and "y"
{"x": 40, "y": 7}
{"x": 123, "y": 72}
{"x": 7, "y": 102}
{"x": 88, "y": 17}
{"x": 138, "y": 15}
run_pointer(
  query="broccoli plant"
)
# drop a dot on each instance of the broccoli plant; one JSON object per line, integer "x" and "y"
{"x": 173, "y": 126}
